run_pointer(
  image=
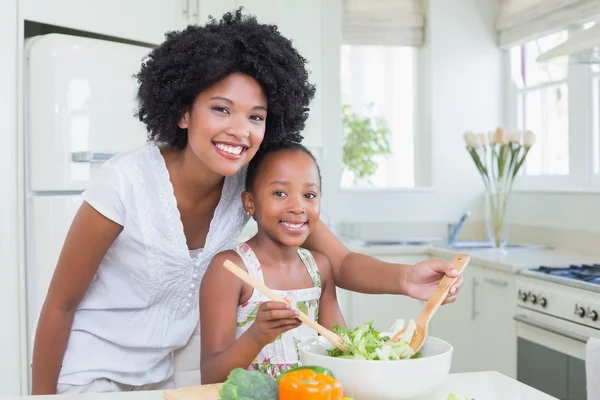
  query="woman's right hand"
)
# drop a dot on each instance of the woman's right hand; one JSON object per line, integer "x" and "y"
{"x": 273, "y": 319}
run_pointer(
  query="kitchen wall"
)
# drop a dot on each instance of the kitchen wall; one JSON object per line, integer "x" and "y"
{"x": 460, "y": 89}
{"x": 561, "y": 210}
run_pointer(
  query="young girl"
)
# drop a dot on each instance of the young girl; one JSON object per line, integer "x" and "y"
{"x": 240, "y": 327}
{"x": 123, "y": 293}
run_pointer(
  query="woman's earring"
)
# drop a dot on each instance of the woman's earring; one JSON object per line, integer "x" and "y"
{"x": 248, "y": 213}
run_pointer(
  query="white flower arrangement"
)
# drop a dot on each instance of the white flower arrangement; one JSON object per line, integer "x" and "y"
{"x": 498, "y": 157}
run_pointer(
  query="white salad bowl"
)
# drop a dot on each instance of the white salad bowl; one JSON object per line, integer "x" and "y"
{"x": 381, "y": 380}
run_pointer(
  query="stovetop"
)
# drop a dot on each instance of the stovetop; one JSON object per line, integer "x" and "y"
{"x": 585, "y": 276}
{"x": 585, "y": 273}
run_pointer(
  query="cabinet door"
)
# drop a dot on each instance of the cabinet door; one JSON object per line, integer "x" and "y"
{"x": 456, "y": 322}
{"x": 496, "y": 340}
{"x": 302, "y": 22}
{"x": 382, "y": 309}
{"x": 139, "y": 20}
{"x": 189, "y": 12}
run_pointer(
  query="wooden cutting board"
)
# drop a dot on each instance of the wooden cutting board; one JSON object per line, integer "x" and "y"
{"x": 204, "y": 392}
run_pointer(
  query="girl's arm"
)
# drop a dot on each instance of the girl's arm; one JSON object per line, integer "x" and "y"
{"x": 366, "y": 274}
{"x": 90, "y": 236}
{"x": 220, "y": 294}
{"x": 329, "y": 308}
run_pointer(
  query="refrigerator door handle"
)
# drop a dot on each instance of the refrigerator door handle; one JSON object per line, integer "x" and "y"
{"x": 91, "y": 156}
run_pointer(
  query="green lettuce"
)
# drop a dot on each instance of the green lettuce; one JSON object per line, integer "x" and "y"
{"x": 366, "y": 343}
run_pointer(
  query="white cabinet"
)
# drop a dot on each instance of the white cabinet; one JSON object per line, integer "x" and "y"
{"x": 479, "y": 324}
{"x": 140, "y": 20}
{"x": 304, "y": 24}
{"x": 455, "y": 323}
{"x": 382, "y": 309}
{"x": 496, "y": 330}
{"x": 190, "y": 12}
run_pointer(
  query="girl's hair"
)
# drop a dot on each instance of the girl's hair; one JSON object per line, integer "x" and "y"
{"x": 190, "y": 61}
{"x": 257, "y": 160}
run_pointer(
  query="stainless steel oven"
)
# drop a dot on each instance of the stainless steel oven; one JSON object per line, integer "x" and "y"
{"x": 556, "y": 315}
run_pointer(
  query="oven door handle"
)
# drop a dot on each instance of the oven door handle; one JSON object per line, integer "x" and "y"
{"x": 523, "y": 319}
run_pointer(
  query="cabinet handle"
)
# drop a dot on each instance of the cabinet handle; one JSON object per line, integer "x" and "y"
{"x": 196, "y": 10}
{"x": 186, "y": 8}
{"x": 91, "y": 156}
{"x": 474, "y": 312}
{"x": 496, "y": 282}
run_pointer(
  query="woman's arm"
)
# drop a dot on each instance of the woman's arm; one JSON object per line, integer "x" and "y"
{"x": 90, "y": 236}
{"x": 220, "y": 294}
{"x": 329, "y": 308}
{"x": 366, "y": 274}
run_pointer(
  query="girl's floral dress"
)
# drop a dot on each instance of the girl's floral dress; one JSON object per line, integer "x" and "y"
{"x": 283, "y": 353}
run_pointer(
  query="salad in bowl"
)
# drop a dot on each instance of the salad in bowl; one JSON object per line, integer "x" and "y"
{"x": 372, "y": 367}
{"x": 366, "y": 343}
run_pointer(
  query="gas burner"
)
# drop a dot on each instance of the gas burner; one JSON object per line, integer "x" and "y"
{"x": 589, "y": 273}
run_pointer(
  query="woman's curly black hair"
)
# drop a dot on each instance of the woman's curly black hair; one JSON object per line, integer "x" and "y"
{"x": 191, "y": 60}
{"x": 257, "y": 160}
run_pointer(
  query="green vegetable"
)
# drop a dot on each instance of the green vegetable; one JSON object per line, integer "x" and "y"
{"x": 248, "y": 385}
{"x": 365, "y": 343}
{"x": 317, "y": 370}
{"x": 452, "y": 396}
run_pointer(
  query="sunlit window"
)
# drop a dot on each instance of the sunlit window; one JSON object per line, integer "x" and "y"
{"x": 377, "y": 93}
{"x": 542, "y": 104}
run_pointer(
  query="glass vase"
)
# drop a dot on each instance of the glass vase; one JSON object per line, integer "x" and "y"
{"x": 496, "y": 216}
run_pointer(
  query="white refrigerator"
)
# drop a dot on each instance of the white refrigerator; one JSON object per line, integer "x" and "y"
{"x": 80, "y": 99}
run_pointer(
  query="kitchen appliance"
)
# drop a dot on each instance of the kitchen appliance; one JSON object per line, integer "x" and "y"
{"x": 558, "y": 310}
{"x": 79, "y": 104}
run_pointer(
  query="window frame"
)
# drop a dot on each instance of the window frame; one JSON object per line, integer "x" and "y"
{"x": 581, "y": 152}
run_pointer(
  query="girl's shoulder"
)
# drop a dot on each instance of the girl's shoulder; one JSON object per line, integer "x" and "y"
{"x": 323, "y": 264}
{"x": 320, "y": 259}
{"x": 219, "y": 259}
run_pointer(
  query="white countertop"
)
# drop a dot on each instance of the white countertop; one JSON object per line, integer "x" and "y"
{"x": 475, "y": 385}
{"x": 511, "y": 261}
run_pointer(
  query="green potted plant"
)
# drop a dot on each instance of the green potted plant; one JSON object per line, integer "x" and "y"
{"x": 363, "y": 139}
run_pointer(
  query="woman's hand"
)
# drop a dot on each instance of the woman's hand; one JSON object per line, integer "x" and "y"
{"x": 273, "y": 319}
{"x": 423, "y": 277}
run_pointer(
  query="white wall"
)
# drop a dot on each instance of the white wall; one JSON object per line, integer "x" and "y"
{"x": 566, "y": 210}
{"x": 462, "y": 90}
{"x": 11, "y": 333}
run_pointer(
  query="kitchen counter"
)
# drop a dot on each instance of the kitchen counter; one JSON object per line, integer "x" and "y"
{"x": 511, "y": 261}
{"x": 476, "y": 385}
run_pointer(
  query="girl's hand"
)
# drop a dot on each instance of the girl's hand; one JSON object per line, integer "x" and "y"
{"x": 273, "y": 318}
{"x": 423, "y": 278}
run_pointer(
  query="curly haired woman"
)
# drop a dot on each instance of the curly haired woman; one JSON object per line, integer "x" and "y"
{"x": 125, "y": 291}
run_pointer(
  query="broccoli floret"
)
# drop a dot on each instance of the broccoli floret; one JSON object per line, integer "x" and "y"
{"x": 248, "y": 385}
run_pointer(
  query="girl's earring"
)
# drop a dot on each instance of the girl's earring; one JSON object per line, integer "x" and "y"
{"x": 248, "y": 213}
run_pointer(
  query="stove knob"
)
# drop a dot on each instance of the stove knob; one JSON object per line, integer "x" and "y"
{"x": 523, "y": 296}
{"x": 580, "y": 311}
{"x": 533, "y": 299}
{"x": 593, "y": 315}
{"x": 543, "y": 302}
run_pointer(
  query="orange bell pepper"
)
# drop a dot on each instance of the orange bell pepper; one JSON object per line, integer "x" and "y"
{"x": 305, "y": 384}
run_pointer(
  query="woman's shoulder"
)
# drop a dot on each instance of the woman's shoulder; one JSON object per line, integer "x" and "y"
{"x": 124, "y": 159}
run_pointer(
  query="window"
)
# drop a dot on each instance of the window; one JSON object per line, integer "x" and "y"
{"x": 554, "y": 100}
{"x": 542, "y": 105}
{"x": 378, "y": 82}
